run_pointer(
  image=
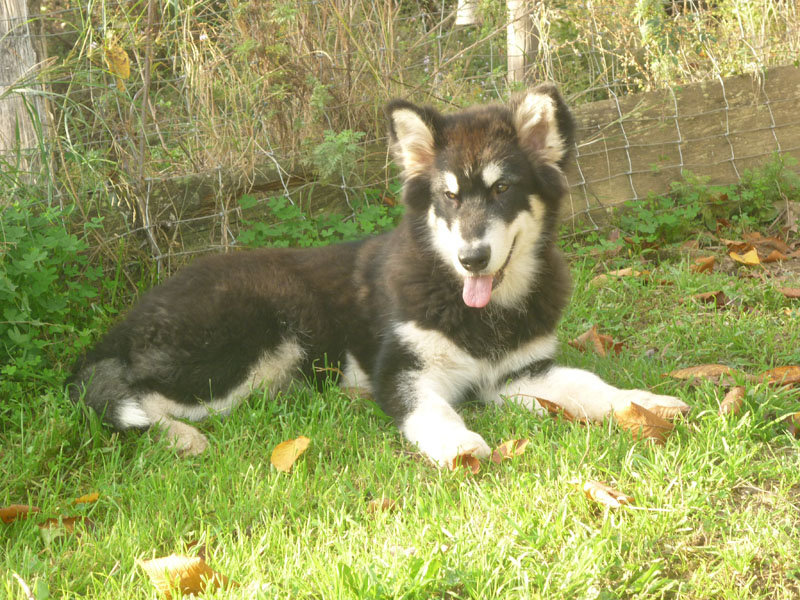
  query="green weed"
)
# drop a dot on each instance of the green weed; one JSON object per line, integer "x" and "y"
{"x": 693, "y": 204}
{"x": 287, "y": 225}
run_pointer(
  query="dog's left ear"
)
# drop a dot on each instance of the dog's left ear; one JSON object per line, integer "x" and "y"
{"x": 412, "y": 133}
{"x": 544, "y": 124}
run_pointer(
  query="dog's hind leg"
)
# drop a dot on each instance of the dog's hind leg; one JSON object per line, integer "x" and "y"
{"x": 103, "y": 386}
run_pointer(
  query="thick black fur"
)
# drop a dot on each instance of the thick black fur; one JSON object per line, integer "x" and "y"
{"x": 194, "y": 337}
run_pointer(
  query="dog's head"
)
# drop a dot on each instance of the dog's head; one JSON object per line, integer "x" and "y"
{"x": 489, "y": 181}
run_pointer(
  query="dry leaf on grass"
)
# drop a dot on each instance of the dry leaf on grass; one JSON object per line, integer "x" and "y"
{"x": 556, "y": 410}
{"x": 718, "y": 298}
{"x": 737, "y": 245}
{"x": 67, "y": 523}
{"x": 604, "y": 494}
{"x": 766, "y": 244}
{"x": 286, "y": 453}
{"x": 793, "y": 422}
{"x": 118, "y": 63}
{"x": 191, "y": 575}
{"x": 87, "y": 498}
{"x": 15, "y": 512}
{"x": 642, "y": 423}
{"x": 732, "y": 401}
{"x": 715, "y": 373}
{"x": 382, "y": 505}
{"x": 791, "y": 293}
{"x": 592, "y": 340}
{"x": 472, "y": 463}
{"x": 508, "y": 450}
{"x": 670, "y": 412}
{"x": 781, "y": 375}
{"x": 63, "y": 526}
{"x": 704, "y": 264}
{"x": 774, "y": 256}
{"x": 749, "y": 258}
{"x": 626, "y": 272}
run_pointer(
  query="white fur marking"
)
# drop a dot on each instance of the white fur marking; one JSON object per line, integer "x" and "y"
{"x": 354, "y": 376}
{"x": 274, "y": 369}
{"x": 523, "y": 266}
{"x": 446, "y": 241}
{"x": 438, "y": 431}
{"x": 446, "y": 371}
{"x": 450, "y": 182}
{"x": 131, "y": 415}
{"x": 491, "y": 173}
{"x": 451, "y": 369}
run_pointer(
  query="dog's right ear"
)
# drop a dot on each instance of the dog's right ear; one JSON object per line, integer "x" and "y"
{"x": 412, "y": 134}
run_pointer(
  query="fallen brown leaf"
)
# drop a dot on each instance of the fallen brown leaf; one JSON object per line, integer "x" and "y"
{"x": 791, "y": 293}
{"x": 749, "y": 258}
{"x": 718, "y": 298}
{"x": 286, "y": 453}
{"x": 690, "y": 245}
{"x": 62, "y": 526}
{"x": 466, "y": 460}
{"x": 669, "y": 412}
{"x": 382, "y": 505}
{"x": 598, "y": 342}
{"x": 509, "y": 449}
{"x": 715, "y": 373}
{"x": 626, "y": 272}
{"x": 774, "y": 256}
{"x": 704, "y": 264}
{"x": 642, "y": 423}
{"x": 768, "y": 244}
{"x": 67, "y": 523}
{"x": 198, "y": 547}
{"x": 555, "y": 409}
{"x": 737, "y": 245}
{"x": 15, "y": 512}
{"x": 793, "y": 422}
{"x": 732, "y": 401}
{"x": 191, "y": 575}
{"x": 604, "y": 494}
{"x": 781, "y": 375}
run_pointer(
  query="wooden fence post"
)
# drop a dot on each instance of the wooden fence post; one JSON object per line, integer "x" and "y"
{"x": 23, "y": 117}
{"x": 521, "y": 40}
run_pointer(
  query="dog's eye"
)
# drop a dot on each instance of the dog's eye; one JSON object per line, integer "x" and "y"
{"x": 499, "y": 188}
{"x": 451, "y": 195}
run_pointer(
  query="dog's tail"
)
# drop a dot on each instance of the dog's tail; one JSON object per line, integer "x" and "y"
{"x": 102, "y": 385}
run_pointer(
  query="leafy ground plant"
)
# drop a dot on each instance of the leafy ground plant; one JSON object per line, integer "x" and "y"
{"x": 712, "y": 513}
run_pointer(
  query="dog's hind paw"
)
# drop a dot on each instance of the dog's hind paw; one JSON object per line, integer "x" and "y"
{"x": 184, "y": 438}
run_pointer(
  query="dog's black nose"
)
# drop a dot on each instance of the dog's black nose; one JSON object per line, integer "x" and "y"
{"x": 475, "y": 258}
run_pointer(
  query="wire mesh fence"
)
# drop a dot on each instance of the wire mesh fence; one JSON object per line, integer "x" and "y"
{"x": 217, "y": 100}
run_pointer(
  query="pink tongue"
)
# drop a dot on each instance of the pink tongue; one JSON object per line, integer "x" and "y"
{"x": 477, "y": 291}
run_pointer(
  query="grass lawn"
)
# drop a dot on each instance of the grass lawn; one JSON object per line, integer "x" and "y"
{"x": 717, "y": 511}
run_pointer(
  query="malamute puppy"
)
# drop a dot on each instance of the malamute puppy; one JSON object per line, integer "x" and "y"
{"x": 460, "y": 300}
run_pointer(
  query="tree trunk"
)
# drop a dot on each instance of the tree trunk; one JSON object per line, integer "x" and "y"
{"x": 23, "y": 117}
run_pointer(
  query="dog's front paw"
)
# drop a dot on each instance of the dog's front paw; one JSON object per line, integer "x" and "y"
{"x": 666, "y": 407}
{"x": 449, "y": 443}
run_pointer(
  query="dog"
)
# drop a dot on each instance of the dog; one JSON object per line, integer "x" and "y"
{"x": 460, "y": 300}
